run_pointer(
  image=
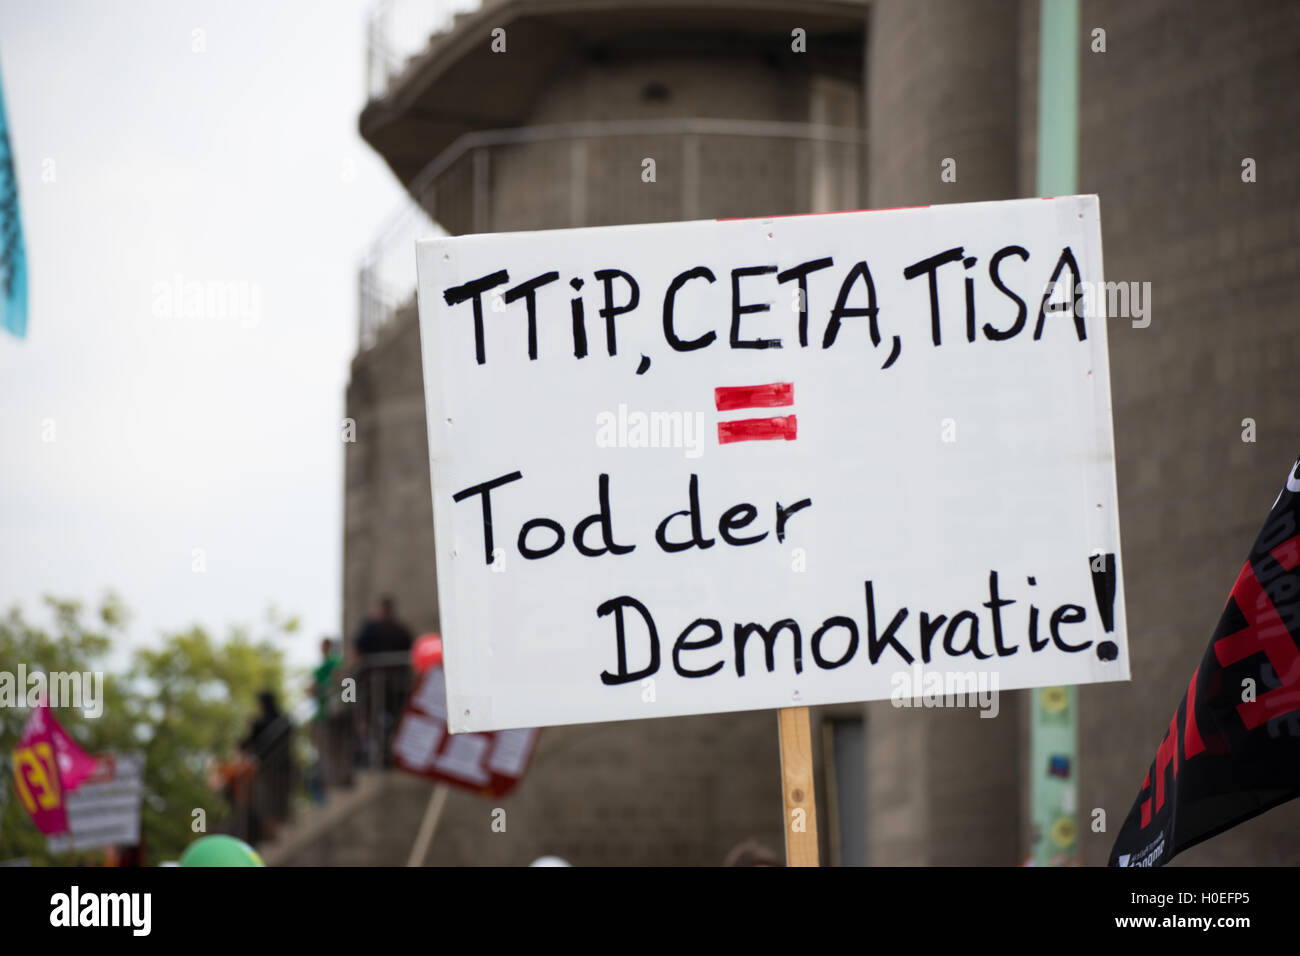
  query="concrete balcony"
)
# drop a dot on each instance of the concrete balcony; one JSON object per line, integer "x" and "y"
{"x": 605, "y": 173}
{"x": 540, "y": 114}
{"x": 584, "y": 60}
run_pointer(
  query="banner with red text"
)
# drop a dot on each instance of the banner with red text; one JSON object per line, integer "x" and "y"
{"x": 1232, "y": 749}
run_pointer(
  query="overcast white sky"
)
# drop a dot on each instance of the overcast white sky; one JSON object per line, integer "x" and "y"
{"x": 238, "y": 164}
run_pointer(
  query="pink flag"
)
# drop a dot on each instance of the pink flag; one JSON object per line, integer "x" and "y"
{"x": 75, "y": 765}
{"x": 47, "y": 764}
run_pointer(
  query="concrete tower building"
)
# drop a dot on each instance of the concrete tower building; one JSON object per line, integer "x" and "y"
{"x": 532, "y": 114}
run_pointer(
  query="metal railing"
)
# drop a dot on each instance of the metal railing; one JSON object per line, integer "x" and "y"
{"x": 266, "y": 781}
{"x": 589, "y": 173}
{"x": 384, "y": 681}
{"x": 398, "y": 31}
{"x": 261, "y": 782}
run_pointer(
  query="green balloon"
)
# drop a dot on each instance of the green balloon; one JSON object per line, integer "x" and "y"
{"x": 219, "y": 850}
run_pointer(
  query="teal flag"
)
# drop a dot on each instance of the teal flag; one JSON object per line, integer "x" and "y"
{"x": 13, "y": 257}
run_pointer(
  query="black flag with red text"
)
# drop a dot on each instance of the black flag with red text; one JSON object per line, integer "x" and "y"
{"x": 1232, "y": 748}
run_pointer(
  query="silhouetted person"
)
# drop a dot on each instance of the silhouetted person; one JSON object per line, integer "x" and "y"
{"x": 269, "y": 743}
{"x": 383, "y": 646}
{"x": 382, "y": 633}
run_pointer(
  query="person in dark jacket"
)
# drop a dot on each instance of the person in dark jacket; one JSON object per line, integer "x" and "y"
{"x": 269, "y": 744}
{"x": 382, "y": 633}
{"x": 383, "y": 649}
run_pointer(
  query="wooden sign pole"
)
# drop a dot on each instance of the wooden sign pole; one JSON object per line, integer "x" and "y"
{"x": 432, "y": 814}
{"x": 797, "y": 788}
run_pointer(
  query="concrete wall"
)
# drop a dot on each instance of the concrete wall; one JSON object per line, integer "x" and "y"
{"x": 387, "y": 510}
{"x": 943, "y": 787}
{"x": 1182, "y": 94}
{"x": 669, "y": 791}
{"x": 533, "y": 186}
{"x": 1185, "y": 90}
{"x": 679, "y": 792}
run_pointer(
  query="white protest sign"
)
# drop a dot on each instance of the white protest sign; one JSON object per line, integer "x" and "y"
{"x": 717, "y": 466}
{"x": 105, "y": 810}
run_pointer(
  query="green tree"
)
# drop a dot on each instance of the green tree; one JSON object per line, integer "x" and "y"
{"x": 182, "y": 703}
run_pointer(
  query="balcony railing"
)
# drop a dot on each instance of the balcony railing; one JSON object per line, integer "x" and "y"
{"x": 588, "y": 173}
{"x": 397, "y": 33}
{"x": 265, "y": 784}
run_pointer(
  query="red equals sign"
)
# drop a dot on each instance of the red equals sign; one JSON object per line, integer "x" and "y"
{"x": 775, "y": 395}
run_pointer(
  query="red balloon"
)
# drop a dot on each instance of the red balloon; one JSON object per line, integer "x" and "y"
{"x": 426, "y": 652}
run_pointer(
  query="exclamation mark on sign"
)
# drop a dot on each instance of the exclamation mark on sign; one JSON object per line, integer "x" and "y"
{"x": 1103, "y": 588}
{"x": 775, "y": 395}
